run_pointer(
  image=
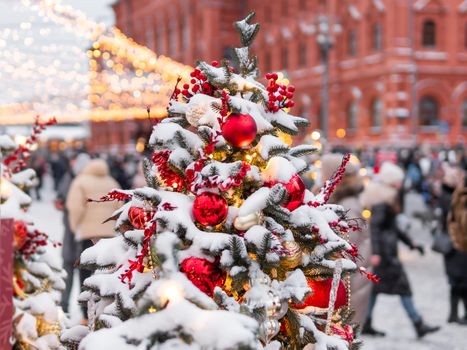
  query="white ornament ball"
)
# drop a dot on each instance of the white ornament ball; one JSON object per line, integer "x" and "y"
{"x": 195, "y": 112}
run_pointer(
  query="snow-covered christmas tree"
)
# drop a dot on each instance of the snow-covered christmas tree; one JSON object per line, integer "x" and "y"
{"x": 225, "y": 248}
{"x": 38, "y": 276}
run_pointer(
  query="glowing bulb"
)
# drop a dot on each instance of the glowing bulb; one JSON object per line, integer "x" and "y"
{"x": 171, "y": 292}
{"x": 318, "y": 163}
{"x": 152, "y": 309}
{"x": 366, "y": 214}
{"x": 315, "y": 135}
{"x": 363, "y": 172}
{"x": 340, "y": 133}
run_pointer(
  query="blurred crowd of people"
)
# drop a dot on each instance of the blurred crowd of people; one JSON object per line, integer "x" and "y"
{"x": 381, "y": 189}
{"x": 375, "y": 182}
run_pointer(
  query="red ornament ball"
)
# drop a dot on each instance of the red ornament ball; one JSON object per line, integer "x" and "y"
{"x": 203, "y": 274}
{"x": 320, "y": 294}
{"x": 239, "y": 130}
{"x": 139, "y": 217}
{"x": 295, "y": 189}
{"x": 20, "y": 235}
{"x": 210, "y": 209}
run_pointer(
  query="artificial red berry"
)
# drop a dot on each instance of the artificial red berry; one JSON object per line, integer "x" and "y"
{"x": 195, "y": 88}
{"x": 289, "y": 95}
{"x": 186, "y": 86}
{"x": 291, "y": 88}
{"x": 274, "y": 76}
{"x": 214, "y": 63}
{"x": 290, "y": 104}
{"x": 268, "y": 76}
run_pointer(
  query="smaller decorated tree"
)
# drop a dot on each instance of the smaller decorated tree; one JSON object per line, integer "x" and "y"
{"x": 37, "y": 277}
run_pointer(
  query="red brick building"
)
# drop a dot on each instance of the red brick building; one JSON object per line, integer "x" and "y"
{"x": 397, "y": 68}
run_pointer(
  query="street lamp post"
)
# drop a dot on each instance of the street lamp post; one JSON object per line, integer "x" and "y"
{"x": 325, "y": 45}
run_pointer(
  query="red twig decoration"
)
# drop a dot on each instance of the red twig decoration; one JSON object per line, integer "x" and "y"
{"x": 328, "y": 189}
{"x": 17, "y": 160}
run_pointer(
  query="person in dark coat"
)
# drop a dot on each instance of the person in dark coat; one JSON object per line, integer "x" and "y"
{"x": 70, "y": 248}
{"x": 455, "y": 261}
{"x": 384, "y": 200}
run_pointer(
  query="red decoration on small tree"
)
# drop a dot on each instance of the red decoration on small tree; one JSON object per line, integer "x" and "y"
{"x": 19, "y": 157}
{"x": 239, "y": 129}
{"x": 203, "y": 274}
{"x": 320, "y": 294}
{"x": 20, "y": 235}
{"x": 139, "y": 217}
{"x": 210, "y": 209}
{"x": 295, "y": 189}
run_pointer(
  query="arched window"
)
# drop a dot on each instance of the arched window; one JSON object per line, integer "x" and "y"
{"x": 376, "y": 113}
{"x": 352, "y": 115}
{"x": 464, "y": 113}
{"x": 377, "y": 36}
{"x": 352, "y": 43}
{"x": 429, "y": 33}
{"x": 428, "y": 111}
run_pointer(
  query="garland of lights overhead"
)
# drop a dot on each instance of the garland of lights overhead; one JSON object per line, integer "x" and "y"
{"x": 123, "y": 78}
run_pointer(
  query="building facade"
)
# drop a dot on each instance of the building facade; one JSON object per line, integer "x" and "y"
{"x": 396, "y": 69}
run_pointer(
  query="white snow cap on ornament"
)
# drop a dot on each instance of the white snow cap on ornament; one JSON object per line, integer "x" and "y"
{"x": 278, "y": 169}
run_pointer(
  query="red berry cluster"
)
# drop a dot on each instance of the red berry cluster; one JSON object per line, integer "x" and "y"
{"x": 199, "y": 84}
{"x": 35, "y": 240}
{"x": 22, "y": 154}
{"x": 279, "y": 95}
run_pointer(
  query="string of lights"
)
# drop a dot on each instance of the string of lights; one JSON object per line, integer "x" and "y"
{"x": 114, "y": 79}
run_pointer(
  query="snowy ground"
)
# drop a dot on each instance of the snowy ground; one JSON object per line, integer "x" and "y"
{"x": 426, "y": 276}
{"x": 49, "y": 220}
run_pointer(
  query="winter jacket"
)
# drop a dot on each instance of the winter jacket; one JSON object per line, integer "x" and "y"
{"x": 86, "y": 218}
{"x": 384, "y": 239}
{"x": 455, "y": 261}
